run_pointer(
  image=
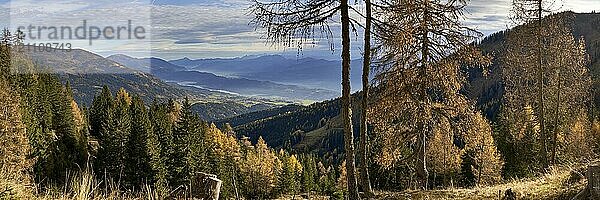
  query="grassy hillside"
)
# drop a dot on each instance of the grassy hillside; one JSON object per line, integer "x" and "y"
{"x": 558, "y": 183}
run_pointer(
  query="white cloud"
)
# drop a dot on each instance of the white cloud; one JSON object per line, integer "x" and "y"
{"x": 211, "y": 28}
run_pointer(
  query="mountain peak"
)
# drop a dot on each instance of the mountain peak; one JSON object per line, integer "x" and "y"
{"x": 120, "y": 56}
{"x": 261, "y": 56}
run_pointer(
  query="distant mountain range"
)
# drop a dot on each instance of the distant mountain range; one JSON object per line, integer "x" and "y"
{"x": 88, "y": 72}
{"x": 307, "y": 72}
{"x": 215, "y": 97}
{"x": 205, "y": 80}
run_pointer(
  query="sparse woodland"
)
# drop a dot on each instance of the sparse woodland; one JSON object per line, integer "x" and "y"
{"x": 417, "y": 128}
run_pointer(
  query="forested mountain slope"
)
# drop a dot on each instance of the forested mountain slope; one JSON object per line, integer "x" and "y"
{"x": 253, "y": 116}
{"x": 213, "y": 111}
{"x": 289, "y": 129}
{"x": 88, "y": 72}
{"x": 278, "y": 129}
{"x": 488, "y": 91}
{"x": 288, "y": 126}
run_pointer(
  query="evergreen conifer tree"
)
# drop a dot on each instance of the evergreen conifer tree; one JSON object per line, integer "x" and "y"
{"x": 137, "y": 163}
{"x": 156, "y": 150}
{"x": 102, "y": 128}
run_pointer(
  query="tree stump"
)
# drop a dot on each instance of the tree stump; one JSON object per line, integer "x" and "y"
{"x": 592, "y": 191}
{"x": 205, "y": 186}
{"x": 593, "y": 177}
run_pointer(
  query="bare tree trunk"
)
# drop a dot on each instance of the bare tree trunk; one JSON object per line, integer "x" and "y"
{"x": 364, "y": 168}
{"x": 422, "y": 134}
{"x": 481, "y": 166}
{"x": 237, "y": 196}
{"x": 543, "y": 136}
{"x": 555, "y": 134}
{"x": 421, "y": 160}
{"x": 346, "y": 112}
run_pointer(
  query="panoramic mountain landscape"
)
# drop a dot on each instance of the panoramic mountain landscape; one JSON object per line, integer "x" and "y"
{"x": 304, "y": 71}
{"x": 261, "y": 87}
{"x": 87, "y": 73}
{"x": 309, "y": 99}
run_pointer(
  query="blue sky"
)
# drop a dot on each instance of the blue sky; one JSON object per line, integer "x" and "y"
{"x": 207, "y": 28}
